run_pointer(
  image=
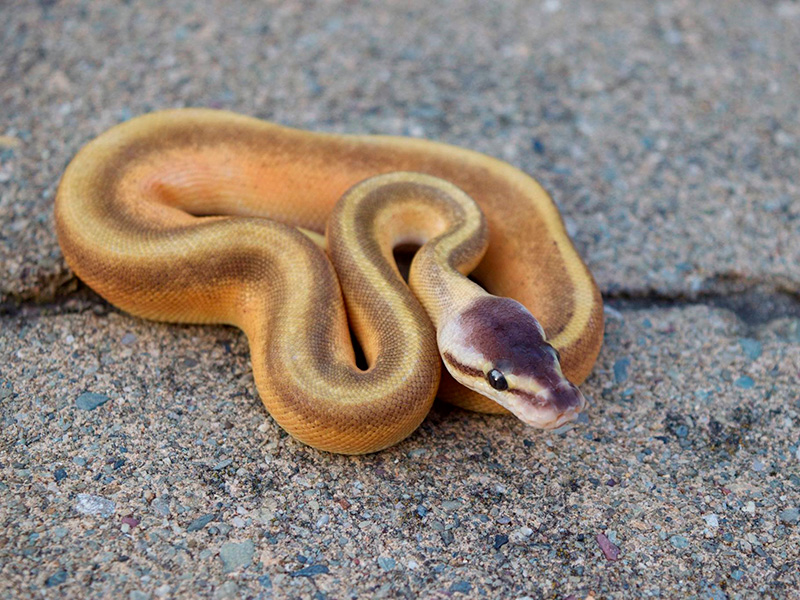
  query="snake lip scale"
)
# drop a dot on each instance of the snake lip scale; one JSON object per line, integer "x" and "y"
{"x": 205, "y": 216}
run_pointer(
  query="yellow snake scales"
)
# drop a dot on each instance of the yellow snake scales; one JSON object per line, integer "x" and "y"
{"x": 203, "y": 216}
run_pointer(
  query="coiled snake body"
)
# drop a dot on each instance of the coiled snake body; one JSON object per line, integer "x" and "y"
{"x": 211, "y": 217}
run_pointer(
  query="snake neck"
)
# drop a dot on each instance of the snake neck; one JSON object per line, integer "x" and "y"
{"x": 491, "y": 345}
{"x": 398, "y": 209}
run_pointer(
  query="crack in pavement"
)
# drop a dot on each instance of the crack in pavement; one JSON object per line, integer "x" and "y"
{"x": 755, "y": 301}
{"x": 753, "y": 307}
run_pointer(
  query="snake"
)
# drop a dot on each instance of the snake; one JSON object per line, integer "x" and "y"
{"x": 207, "y": 216}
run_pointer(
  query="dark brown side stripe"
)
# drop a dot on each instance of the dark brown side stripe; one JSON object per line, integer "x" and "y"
{"x": 461, "y": 367}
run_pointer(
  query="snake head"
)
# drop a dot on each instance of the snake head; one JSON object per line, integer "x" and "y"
{"x": 497, "y": 348}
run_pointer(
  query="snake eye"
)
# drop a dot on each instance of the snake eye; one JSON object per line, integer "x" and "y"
{"x": 497, "y": 380}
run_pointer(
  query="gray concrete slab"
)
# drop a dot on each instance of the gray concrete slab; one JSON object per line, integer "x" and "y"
{"x": 136, "y": 460}
{"x": 667, "y": 132}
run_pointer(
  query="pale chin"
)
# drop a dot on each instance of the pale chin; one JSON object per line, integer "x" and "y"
{"x": 545, "y": 418}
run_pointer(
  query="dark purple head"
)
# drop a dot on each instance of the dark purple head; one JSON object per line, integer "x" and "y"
{"x": 497, "y": 348}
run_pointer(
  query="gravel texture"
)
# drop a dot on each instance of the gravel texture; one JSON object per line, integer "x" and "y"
{"x": 685, "y": 479}
{"x": 649, "y": 122}
{"x": 136, "y": 460}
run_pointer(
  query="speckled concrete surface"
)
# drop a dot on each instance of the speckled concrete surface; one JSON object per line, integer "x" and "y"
{"x": 649, "y": 122}
{"x": 135, "y": 459}
{"x": 169, "y": 481}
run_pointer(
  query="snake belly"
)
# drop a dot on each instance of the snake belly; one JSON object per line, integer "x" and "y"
{"x": 205, "y": 216}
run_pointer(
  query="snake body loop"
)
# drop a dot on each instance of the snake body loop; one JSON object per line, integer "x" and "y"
{"x": 211, "y": 217}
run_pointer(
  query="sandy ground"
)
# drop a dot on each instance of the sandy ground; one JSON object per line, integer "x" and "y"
{"x": 136, "y": 460}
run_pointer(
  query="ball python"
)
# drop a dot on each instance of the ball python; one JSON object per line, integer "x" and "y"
{"x": 206, "y": 216}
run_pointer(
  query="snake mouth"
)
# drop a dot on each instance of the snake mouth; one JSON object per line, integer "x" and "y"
{"x": 550, "y": 408}
{"x": 564, "y": 418}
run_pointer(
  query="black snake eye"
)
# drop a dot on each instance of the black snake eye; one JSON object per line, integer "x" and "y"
{"x": 497, "y": 380}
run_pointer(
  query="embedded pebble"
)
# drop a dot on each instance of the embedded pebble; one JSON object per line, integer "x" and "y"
{"x": 500, "y": 541}
{"x": 226, "y": 591}
{"x": 462, "y": 587}
{"x": 711, "y": 520}
{"x": 200, "y": 522}
{"x": 520, "y": 535}
{"x": 56, "y": 578}
{"x": 160, "y": 505}
{"x": 222, "y": 464}
{"x": 90, "y": 400}
{"x": 563, "y": 429}
{"x": 751, "y": 348}
{"x": 236, "y": 556}
{"x": 88, "y": 504}
{"x": 128, "y": 339}
{"x": 679, "y": 541}
{"x": 610, "y": 550}
{"x": 790, "y": 515}
{"x": 621, "y": 369}
{"x": 238, "y": 522}
{"x": 310, "y": 571}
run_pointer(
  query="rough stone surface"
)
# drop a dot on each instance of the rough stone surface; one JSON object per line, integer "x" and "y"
{"x": 668, "y": 134}
{"x": 663, "y": 470}
{"x": 649, "y": 123}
